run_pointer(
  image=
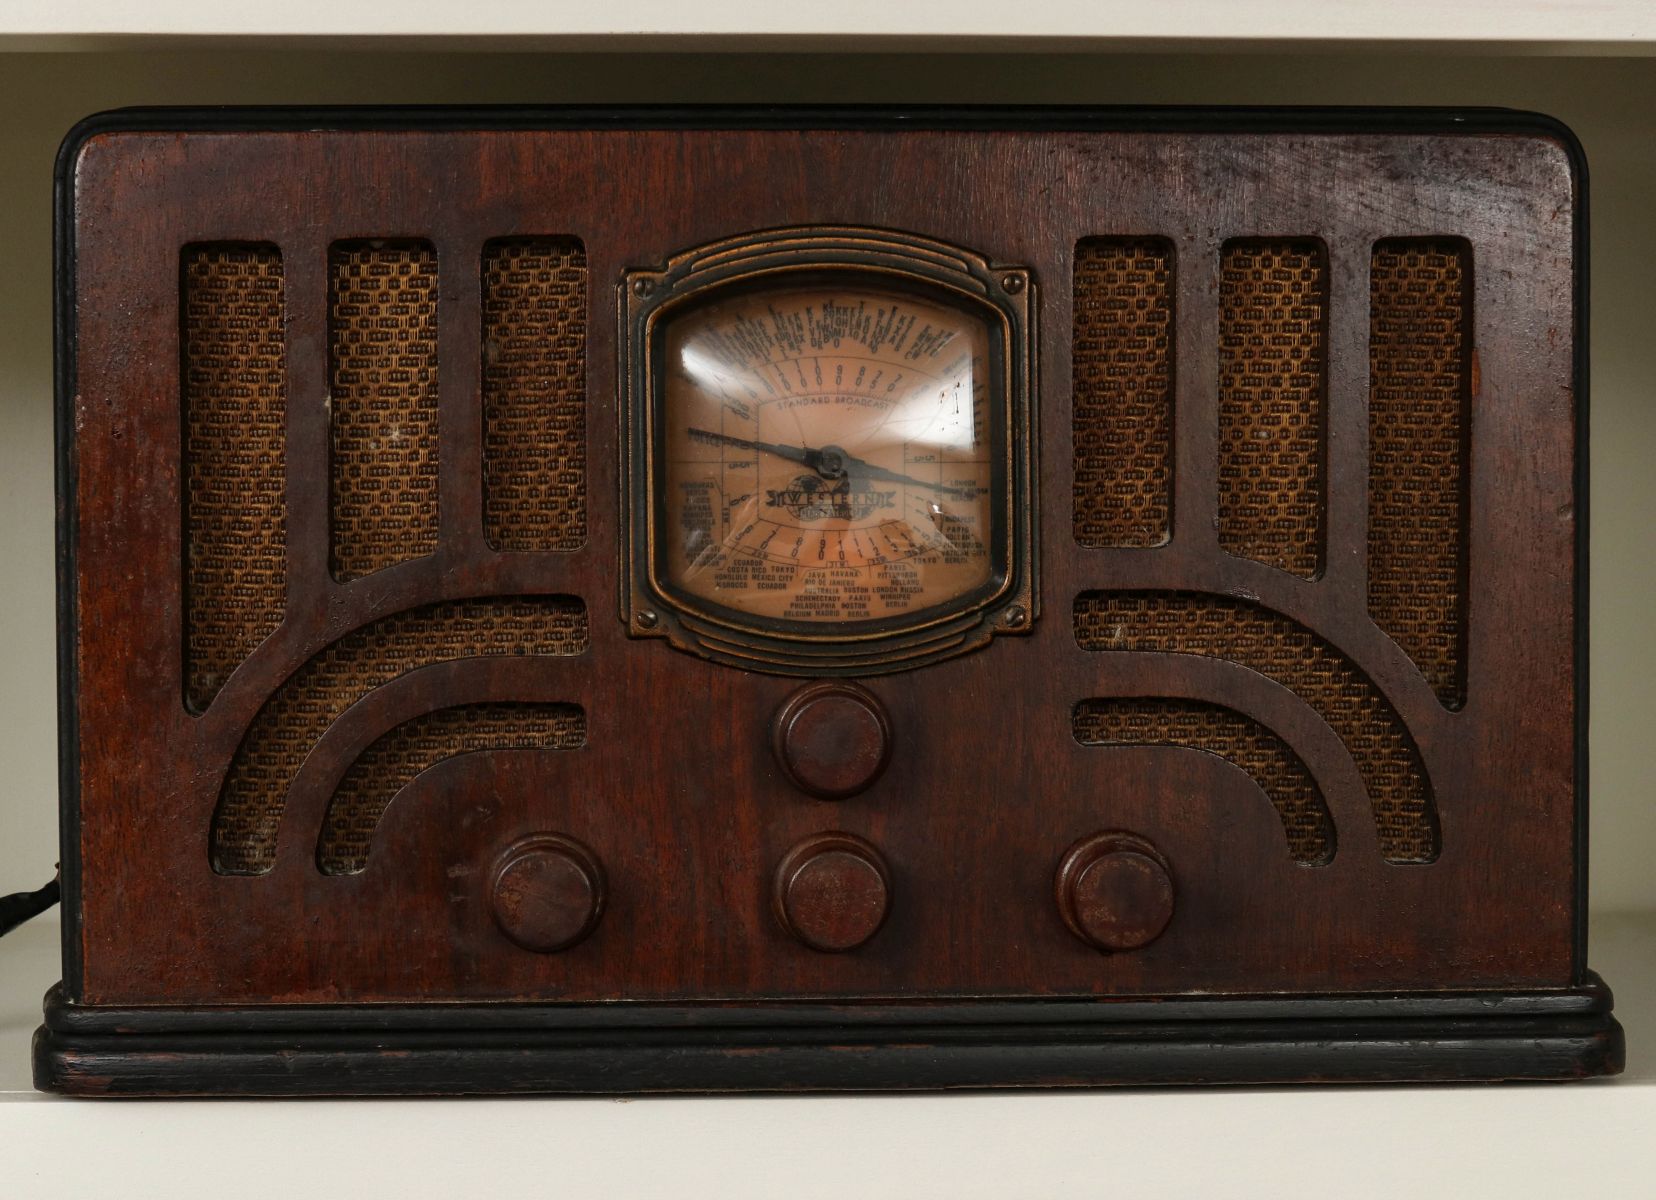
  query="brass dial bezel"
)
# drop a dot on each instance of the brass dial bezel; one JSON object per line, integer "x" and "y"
{"x": 1001, "y": 296}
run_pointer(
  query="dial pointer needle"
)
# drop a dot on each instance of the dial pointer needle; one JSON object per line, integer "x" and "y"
{"x": 867, "y": 470}
{"x": 830, "y": 462}
{"x": 798, "y": 454}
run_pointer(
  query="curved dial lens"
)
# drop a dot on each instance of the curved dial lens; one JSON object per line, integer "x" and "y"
{"x": 826, "y": 454}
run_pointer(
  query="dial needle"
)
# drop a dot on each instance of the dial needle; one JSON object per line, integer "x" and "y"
{"x": 830, "y": 462}
{"x": 868, "y": 470}
{"x": 798, "y": 454}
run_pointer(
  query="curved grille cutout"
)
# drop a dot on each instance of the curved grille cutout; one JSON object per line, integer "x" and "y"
{"x": 1198, "y": 725}
{"x": 1122, "y": 360}
{"x": 1273, "y": 313}
{"x": 1282, "y": 649}
{"x": 382, "y": 381}
{"x": 397, "y": 757}
{"x": 1419, "y": 392}
{"x": 534, "y": 393}
{"x": 234, "y": 376}
{"x": 299, "y": 712}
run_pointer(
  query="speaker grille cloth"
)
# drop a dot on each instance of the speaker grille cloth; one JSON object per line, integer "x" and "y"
{"x": 1282, "y": 649}
{"x": 396, "y": 758}
{"x": 235, "y": 468}
{"x": 1273, "y": 298}
{"x": 534, "y": 394}
{"x": 1122, "y": 361}
{"x": 300, "y": 711}
{"x": 1230, "y": 735}
{"x": 1418, "y": 396}
{"x": 382, "y": 377}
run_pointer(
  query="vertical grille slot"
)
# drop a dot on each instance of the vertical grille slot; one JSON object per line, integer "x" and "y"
{"x": 1419, "y": 395}
{"x": 534, "y": 393}
{"x": 382, "y": 378}
{"x": 234, "y": 381}
{"x": 1122, "y": 361}
{"x": 1273, "y": 306}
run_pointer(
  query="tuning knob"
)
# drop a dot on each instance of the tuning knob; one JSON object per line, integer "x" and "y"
{"x": 547, "y": 893}
{"x": 1115, "y": 891}
{"x": 832, "y": 739}
{"x": 832, "y": 892}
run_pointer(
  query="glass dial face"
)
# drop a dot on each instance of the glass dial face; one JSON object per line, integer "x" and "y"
{"x": 826, "y": 454}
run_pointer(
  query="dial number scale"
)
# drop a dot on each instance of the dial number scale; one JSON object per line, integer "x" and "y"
{"x": 827, "y": 454}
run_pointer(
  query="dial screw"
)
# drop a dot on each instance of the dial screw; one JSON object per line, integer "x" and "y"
{"x": 1013, "y": 284}
{"x": 642, "y": 288}
{"x": 1016, "y": 616}
{"x": 646, "y": 619}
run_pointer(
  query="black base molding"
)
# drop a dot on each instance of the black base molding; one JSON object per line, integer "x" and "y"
{"x": 451, "y": 1049}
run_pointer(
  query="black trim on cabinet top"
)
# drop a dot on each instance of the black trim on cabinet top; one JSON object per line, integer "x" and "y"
{"x": 1022, "y": 118}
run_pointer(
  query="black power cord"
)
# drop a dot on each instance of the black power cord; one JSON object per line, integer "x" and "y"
{"x": 19, "y": 907}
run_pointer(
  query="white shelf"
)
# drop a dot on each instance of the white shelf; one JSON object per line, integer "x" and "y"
{"x": 1477, "y": 26}
{"x": 1347, "y": 1142}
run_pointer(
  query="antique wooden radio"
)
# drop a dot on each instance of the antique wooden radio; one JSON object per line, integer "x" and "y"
{"x": 619, "y": 601}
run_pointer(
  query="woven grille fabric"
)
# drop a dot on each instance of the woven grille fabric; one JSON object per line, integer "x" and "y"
{"x": 234, "y": 377}
{"x": 1273, "y": 303}
{"x": 382, "y": 378}
{"x": 534, "y": 394}
{"x": 1419, "y": 319}
{"x": 255, "y": 790}
{"x": 1282, "y": 649}
{"x": 1122, "y": 367}
{"x": 394, "y": 760}
{"x": 1231, "y": 735}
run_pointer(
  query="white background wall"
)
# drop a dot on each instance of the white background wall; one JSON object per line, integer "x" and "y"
{"x": 1611, "y": 103}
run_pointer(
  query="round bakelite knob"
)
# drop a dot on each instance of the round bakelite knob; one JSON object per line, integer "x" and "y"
{"x": 1115, "y": 891}
{"x": 547, "y": 893}
{"x": 832, "y": 892}
{"x": 832, "y": 739}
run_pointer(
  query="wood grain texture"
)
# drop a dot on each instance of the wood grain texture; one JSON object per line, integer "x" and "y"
{"x": 677, "y": 790}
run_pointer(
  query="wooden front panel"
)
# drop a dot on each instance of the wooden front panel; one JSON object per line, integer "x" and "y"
{"x": 1452, "y": 856}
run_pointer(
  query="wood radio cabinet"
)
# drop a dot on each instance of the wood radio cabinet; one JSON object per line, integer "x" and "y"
{"x": 718, "y": 600}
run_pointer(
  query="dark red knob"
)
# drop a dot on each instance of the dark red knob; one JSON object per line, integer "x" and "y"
{"x": 832, "y": 739}
{"x": 832, "y": 892}
{"x": 1115, "y": 891}
{"x": 547, "y": 893}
